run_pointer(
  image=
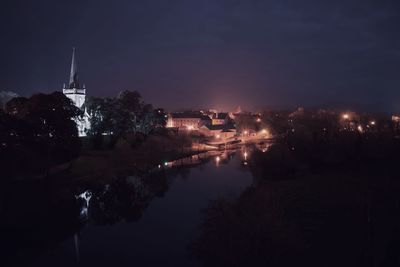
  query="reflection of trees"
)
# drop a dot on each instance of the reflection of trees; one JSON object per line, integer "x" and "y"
{"x": 126, "y": 198}
{"x": 342, "y": 219}
{"x": 277, "y": 164}
{"x": 35, "y": 216}
{"x": 245, "y": 232}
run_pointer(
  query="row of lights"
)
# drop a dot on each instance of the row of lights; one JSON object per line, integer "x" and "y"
{"x": 346, "y": 116}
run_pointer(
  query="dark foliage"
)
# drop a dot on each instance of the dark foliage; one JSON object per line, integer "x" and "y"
{"x": 38, "y": 132}
{"x": 122, "y": 115}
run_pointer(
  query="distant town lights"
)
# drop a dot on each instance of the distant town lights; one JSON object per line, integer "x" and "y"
{"x": 346, "y": 116}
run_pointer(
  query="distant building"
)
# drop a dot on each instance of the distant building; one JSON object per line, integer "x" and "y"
{"x": 78, "y": 95}
{"x": 220, "y": 131}
{"x": 187, "y": 120}
{"x": 220, "y": 118}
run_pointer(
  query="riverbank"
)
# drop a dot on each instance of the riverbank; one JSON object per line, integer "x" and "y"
{"x": 100, "y": 166}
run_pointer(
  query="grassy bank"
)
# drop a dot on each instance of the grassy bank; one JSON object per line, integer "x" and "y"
{"x": 128, "y": 158}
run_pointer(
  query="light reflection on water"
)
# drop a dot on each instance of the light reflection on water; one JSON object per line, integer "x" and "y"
{"x": 151, "y": 221}
{"x": 219, "y": 155}
{"x": 168, "y": 223}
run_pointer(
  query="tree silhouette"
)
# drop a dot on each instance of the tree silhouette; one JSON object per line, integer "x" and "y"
{"x": 123, "y": 115}
{"x": 39, "y": 131}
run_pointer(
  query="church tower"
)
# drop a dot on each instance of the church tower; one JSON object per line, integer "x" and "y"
{"x": 74, "y": 91}
{"x": 78, "y": 96}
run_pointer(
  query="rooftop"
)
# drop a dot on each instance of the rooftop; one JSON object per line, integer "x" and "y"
{"x": 220, "y": 116}
{"x": 187, "y": 115}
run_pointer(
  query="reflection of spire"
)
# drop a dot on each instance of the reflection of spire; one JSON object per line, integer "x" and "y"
{"x": 73, "y": 78}
{"x": 76, "y": 244}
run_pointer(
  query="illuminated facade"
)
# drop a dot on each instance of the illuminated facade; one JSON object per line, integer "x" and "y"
{"x": 220, "y": 118}
{"x": 187, "y": 120}
{"x": 78, "y": 96}
{"x": 222, "y": 132}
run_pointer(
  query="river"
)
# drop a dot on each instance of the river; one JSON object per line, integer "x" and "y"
{"x": 254, "y": 206}
{"x": 161, "y": 234}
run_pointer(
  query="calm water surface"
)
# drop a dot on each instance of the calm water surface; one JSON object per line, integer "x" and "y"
{"x": 161, "y": 236}
{"x": 237, "y": 209}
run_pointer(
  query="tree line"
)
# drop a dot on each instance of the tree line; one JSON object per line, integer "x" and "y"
{"x": 40, "y": 131}
{"x": 121, "y": 116}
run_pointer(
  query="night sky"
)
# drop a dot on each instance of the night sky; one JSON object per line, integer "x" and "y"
{"x": 209, "y": 53}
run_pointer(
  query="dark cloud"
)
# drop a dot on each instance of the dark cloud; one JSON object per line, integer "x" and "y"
{"x": 210, "y": 52}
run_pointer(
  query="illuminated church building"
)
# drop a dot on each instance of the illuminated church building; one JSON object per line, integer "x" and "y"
{"x": 78, "y": 95}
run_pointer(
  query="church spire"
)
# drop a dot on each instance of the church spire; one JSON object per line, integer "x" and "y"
{"x": 73, "y": 78}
